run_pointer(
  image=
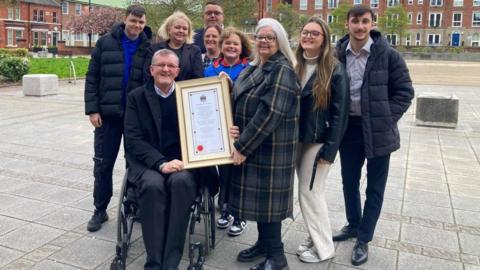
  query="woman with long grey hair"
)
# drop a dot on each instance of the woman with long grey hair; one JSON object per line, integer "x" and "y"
{"x": 266, "y": 111}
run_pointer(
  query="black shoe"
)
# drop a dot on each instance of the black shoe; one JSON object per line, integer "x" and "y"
{"x": 95, "y": 223}
{"x": 275, "y": 263}
{"x": 345, "y": 233}
{"x": 251, "y": 254}
{"x": 360, "y": 253}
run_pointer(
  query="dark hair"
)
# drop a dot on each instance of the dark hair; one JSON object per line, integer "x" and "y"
{"x": 136, "y": 10}
{"x": 359, "y": 10}
{"x": 212, "y": 2}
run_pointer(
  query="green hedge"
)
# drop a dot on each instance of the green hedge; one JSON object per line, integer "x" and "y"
{"x": 14, "y": 52}
{"x": 13, "y": 68}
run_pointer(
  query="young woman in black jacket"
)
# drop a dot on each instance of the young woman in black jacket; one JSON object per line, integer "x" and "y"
{"x": 323, "y": 115}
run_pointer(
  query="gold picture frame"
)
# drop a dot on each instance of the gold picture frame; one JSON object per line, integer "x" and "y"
{"x": 204, "y": 118}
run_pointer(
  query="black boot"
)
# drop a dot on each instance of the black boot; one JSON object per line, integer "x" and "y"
{"x": 95, "y": 223}
{"x": 345, "y": 233}
{"x": 360, "y": 253}
{"x": 251, "y": 254}
{"x": 274, "y": 263}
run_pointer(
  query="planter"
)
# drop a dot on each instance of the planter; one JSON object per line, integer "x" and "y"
{"x": 53, "y": 50}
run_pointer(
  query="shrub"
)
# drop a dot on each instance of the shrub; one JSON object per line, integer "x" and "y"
{"x": 21, "y": 52}
{"x": 13, "y": 68}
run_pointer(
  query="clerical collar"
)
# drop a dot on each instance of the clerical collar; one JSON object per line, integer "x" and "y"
{"x": 161, "y": 93}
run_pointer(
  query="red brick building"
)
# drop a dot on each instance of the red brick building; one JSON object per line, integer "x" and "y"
{"x": 431, "y": 22}
{"x": 37, "y": 22}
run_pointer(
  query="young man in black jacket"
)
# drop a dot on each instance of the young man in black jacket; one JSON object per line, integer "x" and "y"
{"x": 116, "y": 67}
{"x": 380, "y": 93}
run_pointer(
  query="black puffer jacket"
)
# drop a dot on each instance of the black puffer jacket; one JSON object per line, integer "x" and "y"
{"x": 325, "y": 126}
{"x": 103, "y": 84}
{"x": 386, "y": 94}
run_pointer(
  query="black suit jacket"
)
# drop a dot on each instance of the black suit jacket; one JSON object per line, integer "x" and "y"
{"x": 143, "y": 122}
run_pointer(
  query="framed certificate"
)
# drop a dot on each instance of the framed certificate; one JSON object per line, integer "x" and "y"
{"x": 204, "y": 119}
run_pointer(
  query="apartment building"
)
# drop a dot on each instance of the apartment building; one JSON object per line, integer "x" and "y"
{"x": 431, "y": 22}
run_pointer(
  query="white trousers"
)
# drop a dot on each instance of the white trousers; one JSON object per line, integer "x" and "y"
{"x": 313, "y": 203}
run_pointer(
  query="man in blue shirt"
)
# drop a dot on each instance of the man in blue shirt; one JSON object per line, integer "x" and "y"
{"x": 116, "y": 67}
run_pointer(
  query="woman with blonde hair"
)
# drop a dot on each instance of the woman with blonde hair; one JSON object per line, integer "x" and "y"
{"x": 266, "y": 110}
{"x": 324, "y": 109}
{"x": 176, "y": 34}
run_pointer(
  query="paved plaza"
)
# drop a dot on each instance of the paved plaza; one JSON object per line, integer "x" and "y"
{"x": 430, "y": 218}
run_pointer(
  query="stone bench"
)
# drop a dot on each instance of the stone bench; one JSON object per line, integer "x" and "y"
{"x": 40, "y": 84}
{"x": 437, "y": 110}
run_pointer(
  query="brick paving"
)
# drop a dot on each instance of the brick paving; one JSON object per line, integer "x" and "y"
{"x": 430, "y": 218}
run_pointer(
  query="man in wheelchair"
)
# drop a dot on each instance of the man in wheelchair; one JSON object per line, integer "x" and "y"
{"x": 164, "y": 189}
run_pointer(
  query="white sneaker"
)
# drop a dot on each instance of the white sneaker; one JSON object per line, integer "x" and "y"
{"x": 224, "y": 221}
{"x": 310, "y": 256}
{"x": 237, "y": 228}
{"x": 306, "y": 245}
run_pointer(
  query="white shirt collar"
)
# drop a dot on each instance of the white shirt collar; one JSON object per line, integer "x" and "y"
{"x": 161, "y": 93}
{"x": 365, "y": 47}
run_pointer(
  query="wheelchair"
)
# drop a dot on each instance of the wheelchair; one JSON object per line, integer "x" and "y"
{"x": 201, "y": 209}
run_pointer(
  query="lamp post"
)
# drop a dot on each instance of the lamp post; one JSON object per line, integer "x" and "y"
{"x": 90, "y": 33}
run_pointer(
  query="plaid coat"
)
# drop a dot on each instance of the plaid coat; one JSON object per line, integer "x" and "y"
{"x": 266, "y": 109}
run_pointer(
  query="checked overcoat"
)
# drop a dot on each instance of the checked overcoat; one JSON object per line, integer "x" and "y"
{"x": 266, "y": 103}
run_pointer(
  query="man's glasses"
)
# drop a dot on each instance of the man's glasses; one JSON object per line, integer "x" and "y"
{"x": 162, "y": 65}
{"x": 266, "y": 38}
{"x": 306, "y": 33}
{"x": 214, "y": 13}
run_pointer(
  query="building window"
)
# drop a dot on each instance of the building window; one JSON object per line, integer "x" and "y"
{"x": 17, "y": 14}
{"x": 392, "y": 3}
{"x": 433, "y": 39}
{"x": 78, "y": 9}
{"x": 476, "y": 3}
{"x": 78, "y": 36}
{"x": 332, "y": 4}
{"x": 420, "y": 2}
{"x": 357, "y": 2}
{"x": 476, "y": 40}
{"x": 330, "y": 19}
{"x": 417, "y": 39}
{"x": 269, "y": 5}
{"x": 408, "y": 39}
{"x": 40, "y": 16}
{"x": 457, "y": 19}
{"x": 458, "y": 3}
{"x": 303, "y": 5}
{"x": 9, "y": 37}
{"x": 419, "y": 18}
{"x": 333, "y": 39}
{"x": 374, "y": 3}
{"x": 375, "y": 17}
{"x": 18, "y": 34}
{"x": 436, "y": 3}
{"x": 318, "y": 4}
{"x": 35, "y": 15}
{"x": 392, "y": 39}
{"x": 54, "y": 17}
{"x": 410, "y": 17}
{"x": 35, "y": 38}
{"x": 410, "y": 2}
{"x": 476, "y": 19}
{"x": 435, "y": 20}
{"x": 64, "y": 7}
{"x": 10, "y": 13}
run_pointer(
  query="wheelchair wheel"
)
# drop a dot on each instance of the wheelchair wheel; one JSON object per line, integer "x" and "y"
{"x": 205, "y": 209}
{"x": 125, "y": 219}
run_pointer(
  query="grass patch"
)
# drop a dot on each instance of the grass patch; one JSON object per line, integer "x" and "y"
{"x": 59, "y": 66}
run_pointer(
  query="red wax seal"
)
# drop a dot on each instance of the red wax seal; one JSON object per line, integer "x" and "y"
{"x": 200, "y": 148}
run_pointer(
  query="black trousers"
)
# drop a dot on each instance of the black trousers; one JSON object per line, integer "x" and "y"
{"x": 224, "y": 178}
{"x": 352, "y": 158}
{"x": 270, "y": 237}
{"x": 107, "y": 141}
{"x": 164, "y": 207}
